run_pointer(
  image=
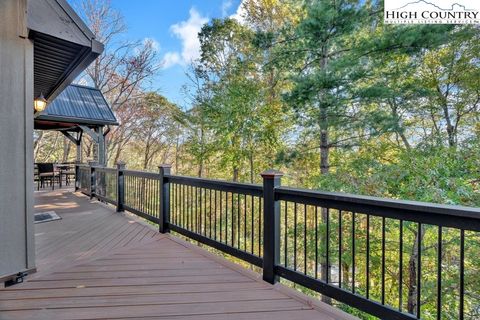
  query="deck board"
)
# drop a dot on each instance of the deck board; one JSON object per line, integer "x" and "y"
{"x": 98, "y": 264}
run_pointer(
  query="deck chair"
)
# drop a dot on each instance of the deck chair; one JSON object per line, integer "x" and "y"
{"x": 46, "y": 172}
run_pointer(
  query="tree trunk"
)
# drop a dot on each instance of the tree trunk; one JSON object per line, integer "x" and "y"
{"x": 177, "y": 154}
{"x": 66, "y": 149}
{"x": 324, "y": 147}
{"x": 412, "y": 274}
{"x": 235, "y": 174}
{"x": 202, "y": 152}
{"x": 450, "y": 128}
{"x": 400, "y": 130}
{"x": 200, "y": 168}
{"x": 324, "y": 267}
{"x": 146, "y": 155}
{"x": 37, "y": 144}
{"x": 324, "y": 169}
{"x": 251, "y": 166}
{"x": 448, "y": 120}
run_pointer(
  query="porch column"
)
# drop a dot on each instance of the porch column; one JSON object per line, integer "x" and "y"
{"x": 17, "y": 249}
{"x": 78, "y": 143}
{"x": 79, "y": 152}
{"x": 100, "y": 146}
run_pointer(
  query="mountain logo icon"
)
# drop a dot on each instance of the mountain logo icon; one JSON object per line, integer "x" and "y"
{"x": 454, "y": 6}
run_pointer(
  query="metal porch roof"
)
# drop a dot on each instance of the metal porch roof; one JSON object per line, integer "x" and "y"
{"x": 77, "y": 105}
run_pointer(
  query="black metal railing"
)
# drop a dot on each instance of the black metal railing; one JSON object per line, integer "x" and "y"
{"x": 106, "y": 184}
{"x": 82, "y": 178}
{"x": 393, "y": 259}
{"x": 223, "y": 215}
{"x": 142, "y": 194}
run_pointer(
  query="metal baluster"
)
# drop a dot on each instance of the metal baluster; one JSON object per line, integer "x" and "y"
{"x": 462, "y": 274}
{"x": 226, "y": 217}
{"x": 368, "y": 258}
{"x": 295, "y": 236}
{"x": 253, "y": 224}
{"x": 238, "y": 221}
{"x": 439, "y": 274}
{"x": 134, "y": 192}
{"x": 233, "y": 221}
{"x": 327, "y": 256}
{"x": 419, "y": 274}
{"x": 340, "y": 248}
{"x": 182, "y": 206}
{"x": 210, "y": 214}
{"x": 353, "y": 252}
{"x": 196, "y": 211}
{"x": 286, "y": 235}
{"x": 400, "y": 282}
{"x": 316, "y": 242}
{"x": 138, "y": 194}
{"x": 177, "y": 202}
{"x": 383, "y": 260}
{"x": 260, "y": 226}
{"x": 221, "y": 200}
{"x": 145, "y": 200}
{"x": 245, "y": 222}
{"x": 205, "y": 212}
{"x": 201, "y": 227}
{"x": 305, "y": 239}
{"x": 189, "y": 208}
{"x": 149, "y": 199}
{"x": 215, "y": 214}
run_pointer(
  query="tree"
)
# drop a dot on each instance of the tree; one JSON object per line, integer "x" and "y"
{"x": 120, "y": 71}
{"x": 156, "y": 129}
{"x": 227, "y": 68}
{"x": 451, "y": 73}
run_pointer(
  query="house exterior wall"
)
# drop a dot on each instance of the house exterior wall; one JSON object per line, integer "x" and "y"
{"x": 17, "y": 249}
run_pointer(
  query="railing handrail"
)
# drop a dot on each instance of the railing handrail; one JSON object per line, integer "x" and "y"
{"x": 104, "y": 169}
{"x": 455, "y": 216}
{"x": 430, "y": 207}
{"x": 223, "y": 185}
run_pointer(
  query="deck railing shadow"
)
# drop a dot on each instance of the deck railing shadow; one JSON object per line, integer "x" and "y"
{"x": 382, "y": 256}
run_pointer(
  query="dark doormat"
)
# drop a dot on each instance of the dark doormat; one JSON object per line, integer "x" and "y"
{"x": 46, "y": 216}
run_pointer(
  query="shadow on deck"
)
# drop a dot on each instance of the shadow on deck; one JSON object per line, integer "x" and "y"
{"x": 95, "y": 263}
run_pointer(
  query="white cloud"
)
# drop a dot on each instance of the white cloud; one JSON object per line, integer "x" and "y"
{"x": 240, "y": 14}
{"x": 170, "y": 59}
{"x": 226, "y": 4}
{"x": 187, "y": 31}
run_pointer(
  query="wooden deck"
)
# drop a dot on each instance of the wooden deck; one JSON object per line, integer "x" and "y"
{"x": 98, "y": 264}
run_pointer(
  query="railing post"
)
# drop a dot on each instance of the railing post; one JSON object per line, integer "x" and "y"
{"x": 271, "y": 225}
{"x": 93, "y": 179}
{"x": 76, "y": 183}
{"x": 163, "y": 225}
{"x": 120, "y": 186}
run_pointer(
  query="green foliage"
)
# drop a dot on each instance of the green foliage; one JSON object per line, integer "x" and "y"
{"x": 327, "y": 93}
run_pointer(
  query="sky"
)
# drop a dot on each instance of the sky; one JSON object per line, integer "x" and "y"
{"x": 173, "y": 25}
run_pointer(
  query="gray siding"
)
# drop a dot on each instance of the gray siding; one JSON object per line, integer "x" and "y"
{"x": 17, "y": 250}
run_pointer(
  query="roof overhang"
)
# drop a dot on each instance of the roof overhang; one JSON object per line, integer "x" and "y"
{"x": 76, "y": 106}
{"x": 63, "y": 45}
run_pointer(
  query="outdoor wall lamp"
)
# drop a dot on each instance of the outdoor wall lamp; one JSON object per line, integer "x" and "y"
{"x": 40, "y": 103}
